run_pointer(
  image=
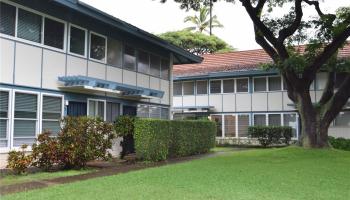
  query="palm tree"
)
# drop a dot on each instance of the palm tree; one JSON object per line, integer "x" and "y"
{"x": 202, "y": 22}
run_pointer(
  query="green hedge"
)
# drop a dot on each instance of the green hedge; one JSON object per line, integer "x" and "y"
{"x": 268, "y": 135}
{"x": 340, "y": 143}
{"x": 157, "y": 140}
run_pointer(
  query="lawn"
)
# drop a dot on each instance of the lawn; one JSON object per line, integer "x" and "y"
{"x": 283, "y": 173}
{"x": 14, "y": 179}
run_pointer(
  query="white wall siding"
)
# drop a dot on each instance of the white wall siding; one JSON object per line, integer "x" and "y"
{"x": 114, "y": 74}
{"x": 154, "y": 84}
{"x": 142, "y": 80}
{"x": 339, "y": 132}
{"x": 189, "y": 101}
{"x": 202, "y": 100}
{"x": 259, "y": 101}
{"x": 129, "y": 77}
{"x": 229, "y": 103}
{"x": 216, "y": 101}
{"x": 28, "y": 65}
{"x": 287, "y": 103}
{"x": 53, "y": 67}
{"x": 6, "y": 61}
{"x": 177, "y": 101}
{"x": 76, "y": 66}
{"x": 243, "y": 102}
{"x": 96, "y": 70}
{"x": 165, "y": 87}
{"x": 275, "y": 101}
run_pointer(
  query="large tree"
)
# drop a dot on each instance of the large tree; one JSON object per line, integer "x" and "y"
{"x": 324, "y": 35}
{"x": 203, "y": 20}
{"x": 197, "y": 43}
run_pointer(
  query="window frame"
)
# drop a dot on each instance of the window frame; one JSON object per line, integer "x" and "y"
{"x": 9, "y": 121}
{"x": 220, "y": 86}
{"x": 183, "y": 88}
{"x": 182, "y": 91}
{"x": 85, "y": 42}
{"x": 104, "y": 61}
{"x": 236, "y": 91}
{"x": 16, "y": 20}
{"x": 97, "y": 100}
{"x": 42, "y": 104}
{"x": 196, "y": 87}
{"x": 64, "y": 32}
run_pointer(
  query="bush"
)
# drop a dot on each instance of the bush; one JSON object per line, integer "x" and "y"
{"x": 160, "y": 139}
{"x": 45, "y": 153}
{"x": 340, "y": 143}
{"x": 268, "y": 135}
{"x": 124, "y": 127}
{"x": 18, "y": 161}
{"x": 83, "y": 139}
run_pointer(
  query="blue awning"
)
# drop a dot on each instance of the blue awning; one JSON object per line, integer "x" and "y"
{"x": 84, "y": 83}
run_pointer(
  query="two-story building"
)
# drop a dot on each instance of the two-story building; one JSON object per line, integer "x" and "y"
{"x": 231, "y": 89}
{"x": 63, "y": 57}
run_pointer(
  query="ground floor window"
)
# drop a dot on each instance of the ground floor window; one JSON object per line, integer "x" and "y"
{"x": 277, "y": 119}
{"x": 156, "y": 112}
{"x": 97, "y": 108}
{"x": 343, "y": 119}
{"x": 4, "y": 118}
{"x": 235, "y": 125}
{"x": 52, "y": 113}
{"x": 112, "y": 111}
{"x": 218, "y": 120}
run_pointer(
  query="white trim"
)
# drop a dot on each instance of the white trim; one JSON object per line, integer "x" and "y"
{"x": 85, "y": 42}
{"x": 104, "y": 61}
{"x": 8, "y": 123}
{"x": 41, "y": 107}
{"x": 97, "y": 100}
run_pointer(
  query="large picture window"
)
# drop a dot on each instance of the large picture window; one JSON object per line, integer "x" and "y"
{"x": 29, "y": 26}
{"x": 51, "y": 113}
{"x": 97, "y": 47}
{"x": 129, "y": 58}
{"x": 4, "y": 117}
{"x": 77, "y": 41}
{"x": 54, "y": 33}
{"x": 114, "y": 52}
{"x": 143, "y": 62}
{"x": 7, "y": 19}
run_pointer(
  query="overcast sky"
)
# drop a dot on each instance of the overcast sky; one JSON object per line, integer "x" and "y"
{"x": 154, "y": 17}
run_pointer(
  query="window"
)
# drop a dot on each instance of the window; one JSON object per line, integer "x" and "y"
{"x": 177, "y": 88}
{"x": 165, "y": 69}
{"x": 143, "y": 111}
{"x": 291, "y": 120}
{"x": 129, "y": 58}
{"x": 164, "y": 113}
{"x": 25, "y": 119}
{"x": 97, "y": 47}
{"x": 218, "y": 120}
{"x": 242, "y": 85}
{"x": 215, "y": 87}
{"x": 260, "y": 120}
{"x": 77, "y": 41}
{"x": 7, "y": 19}
{"x": 202, "y": 87}
{"x": 112, "y": 111}
{"x": 188, "y": 88}
{"x": 143, "y": 62}
{"x": 114, "y": 52}
{"x": 274, "y": 83}
{"x": 4, "y": 117}
{"x": 243, "y": 124}
{"x": 343, "y": 119}
{"x": 229, "y": 86}
{"x": 96, "y": 108}
{"x": 29, "y": 26}
{"x": 154, "y": 112}
{"x": 51, "y": 114}
{"x": 230, "y": 125}
{"x": 54, "y": 33}
{"x": 260, "y": 84}
{"x": 155, "y": 66}
{"x": 274, "y": 120}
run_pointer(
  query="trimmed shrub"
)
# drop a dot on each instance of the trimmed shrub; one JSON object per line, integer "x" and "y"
{"x": 18, "y": 161}
{"x": 268, "y": 135}
{"x": 124, "y": 127}
{"x": 83, "y": 139}
{"x": 45, "y": 152}
{"x": 339, "y": 143}
{"x": 157, "y": 140}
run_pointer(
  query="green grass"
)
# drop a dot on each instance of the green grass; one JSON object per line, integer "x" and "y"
{"x": 14, "y": 179}
{"x": 283, "y": 173}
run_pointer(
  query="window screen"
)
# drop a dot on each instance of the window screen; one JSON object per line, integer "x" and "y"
{"x": 112, "y": 112}
{"x": 143, "y": 111}
{"x": 177, "y": 88}
{"x": 274, "y": 120}
{"x": 4, "y": 105}
{"x": 143, "y": 62}
{"x": 274, "y": 83}
{"x": 229, "y": 86}
{"x": 165, "y": 69}
{"x": 202, "y": 87}
{"x": 77, "y": 41}
{"x": 215, "y": 87}
{"x": 53, "y": 33}
{"x": 259, "y": 84}
{"x": 114, "y": 52}
{"x": 29, "y": 26}
{"x": 97, "y": 47}
{"x": 260, "y": 120}
{"x": 242, "y": 85}
{"x": 218, "y": 120}
{"x": 155, "y": 66}
{"x": 25, "y": 119}
{"x": 188, "y": 88}
{"x": 129, "y": 58}
{"x": 7, "y": 19}
{"x": 243, "y": 124}
{"x": 230, "y": 125}
{"x": 51, "y": 114}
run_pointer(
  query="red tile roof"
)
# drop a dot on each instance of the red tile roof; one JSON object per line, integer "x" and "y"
{"x": 233, "y": 61}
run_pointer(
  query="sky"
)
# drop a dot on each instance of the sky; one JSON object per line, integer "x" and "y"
{"x": 155, "y": 17}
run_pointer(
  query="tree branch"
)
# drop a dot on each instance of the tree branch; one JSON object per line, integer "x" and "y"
{"x": 286, "y": 32}
{"x": 259, "y": 38}
{"x": 317, "y": 6}
{"x": 328, "y": 92}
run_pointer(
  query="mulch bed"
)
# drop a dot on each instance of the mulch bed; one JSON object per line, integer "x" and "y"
{"x": 105, "y": 169}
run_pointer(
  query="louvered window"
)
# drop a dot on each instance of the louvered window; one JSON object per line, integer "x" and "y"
{"x": 29, "y": 26}
{"x": 25, "y": 119}
{"x": 274, "y": 120}
{"x": 7, "y": 19}
{"x": 4, "y": 108}
{"x": 51, "y": 114}
{"x": 260, "y": 120}
{"x": 53, "y": 33}
{"x": 77, "y": 41}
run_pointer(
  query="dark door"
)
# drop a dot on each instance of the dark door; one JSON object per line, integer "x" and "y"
{"x": 129, "y": 110}
{"x": 76, "y": 109}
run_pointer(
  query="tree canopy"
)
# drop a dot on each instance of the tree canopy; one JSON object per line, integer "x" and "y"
{"x": 197, "y": 43}
{"x": 201, "y": 22}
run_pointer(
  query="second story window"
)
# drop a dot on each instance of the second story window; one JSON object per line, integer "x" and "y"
{"x": 260, "y": 84}
{"x": 54, "y": 33}
{"x": 7, "y": 19}
{"x": 165, "y": 69}
{"x": 177, "y": 88}
{"x": 275, "y": 83}
{"x": 143, "y": 62}
{"x": 188, "y": 88}
{"x": 242, "y": 85}
{"x": 29, "y": 26}
{"x": 129, "y": 58}
{"x": 77, "y": 41}
{"x": 155, "y": 66}
{"x": 114, "y": 52}
{"x": 215, "y": 87}
{"x": 97, "y": 47}
{"x": 202, "y": 87}
{"x": 229, "y": 86}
